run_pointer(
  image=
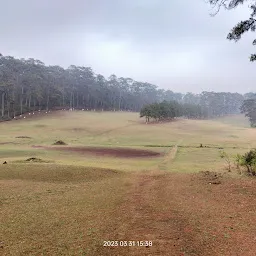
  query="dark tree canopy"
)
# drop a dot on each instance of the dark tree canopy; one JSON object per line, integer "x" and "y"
{"x": 249, "y": 109}
{"x": 28, "y": 85}
{"x": 243, "y": 26}
{"x": 165, "y": 111}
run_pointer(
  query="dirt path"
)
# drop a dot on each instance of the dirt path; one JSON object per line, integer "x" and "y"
{"x": 169, "y": 157}
{"x": 183, "y": 214}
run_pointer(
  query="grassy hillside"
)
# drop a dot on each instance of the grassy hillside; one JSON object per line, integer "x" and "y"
{"x": 113, "y": 129}
{"x": 68, "y": 200}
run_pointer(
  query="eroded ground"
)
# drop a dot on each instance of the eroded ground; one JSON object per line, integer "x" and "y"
{"x": 103, "y": 151}
{"x": 187, "y": 214}
{"x": 182, "y": 214}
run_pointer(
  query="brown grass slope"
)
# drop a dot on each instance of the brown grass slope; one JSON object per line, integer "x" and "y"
{"x": 183, "y": 214}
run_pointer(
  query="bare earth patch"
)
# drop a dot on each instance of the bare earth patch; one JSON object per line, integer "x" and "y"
{"x": 182, "y": 215}
{"x": 115, "y": 152}
{"x": 210, "y": 177}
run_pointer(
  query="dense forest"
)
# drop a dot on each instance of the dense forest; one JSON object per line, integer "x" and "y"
{"x": 30, "y": 85}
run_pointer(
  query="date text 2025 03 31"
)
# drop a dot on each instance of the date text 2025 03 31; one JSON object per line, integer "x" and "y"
{"x": 128, "y": 243}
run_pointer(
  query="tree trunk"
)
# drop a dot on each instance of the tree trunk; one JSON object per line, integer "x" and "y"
{"x": 119, "y": 104}
{"x": 21, "y": 101}
{"x": 248, "y": 169}
{"x": 13, "y": 102}
{"x": 3, "y": 93}
{"x": 83, "y": 102}
{"x": 88, "y": 101}
{"x": 8, "y": 109}
{"x": 48, "y": 99}
{"x": 13, "y": 109}
{"x": 63, "y": 99}
{"x": 29, "y": 102}
{"x": 71, "y": 100}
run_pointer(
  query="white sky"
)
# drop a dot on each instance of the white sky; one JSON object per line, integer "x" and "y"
{"x": 173, "y": 44}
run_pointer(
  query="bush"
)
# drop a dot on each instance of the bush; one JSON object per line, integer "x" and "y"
{"x": 247, "y": 160}
{"x": 59, "y": 142}
{"x": 226, "y": 157}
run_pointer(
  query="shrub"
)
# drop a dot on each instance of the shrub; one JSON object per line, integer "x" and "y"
{"x": 226, "y": 157}
{"x": 59, "y": 142}
{"x": 247, "y": 160}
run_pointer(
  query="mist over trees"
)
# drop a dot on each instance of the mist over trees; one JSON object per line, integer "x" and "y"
{"x": 29, "y": 85}
{"x": 166, "y": 111}
{"x": 249, "y": 108}
{"x": 209, "y": 105}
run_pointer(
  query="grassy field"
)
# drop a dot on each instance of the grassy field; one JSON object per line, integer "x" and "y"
{"x": 125, "y": 130}
{"x": 70, "y": 202}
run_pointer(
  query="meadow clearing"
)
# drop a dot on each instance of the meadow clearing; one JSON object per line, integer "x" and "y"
{"x": 123, "y": 180}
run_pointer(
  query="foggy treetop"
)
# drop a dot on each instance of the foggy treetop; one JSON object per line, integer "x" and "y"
{"x": 28, "y": 84}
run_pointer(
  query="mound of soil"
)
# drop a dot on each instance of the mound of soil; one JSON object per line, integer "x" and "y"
{"x": 115, "y": 152}
{"x": 59, "y": 142}
{"x": 211, "y": 177}
{"x": 23, "y": 137}
{"x": 34, "y": 159}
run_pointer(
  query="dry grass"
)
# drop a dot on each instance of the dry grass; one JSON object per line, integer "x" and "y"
{"x": 82, "y": 128}
{"x": 186, "y": 214}
{"x": 67, "y": 204}
{"x": 56, "y": 210}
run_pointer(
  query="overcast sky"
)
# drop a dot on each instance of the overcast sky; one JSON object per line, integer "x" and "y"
{"x": 174, "y": 44}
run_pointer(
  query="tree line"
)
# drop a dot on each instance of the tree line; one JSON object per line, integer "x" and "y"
{"x": 29, "y": 85}
{"x": 165, "y": 110}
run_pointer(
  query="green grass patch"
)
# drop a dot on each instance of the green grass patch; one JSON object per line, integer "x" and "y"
{"x": 114, "y": 129}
